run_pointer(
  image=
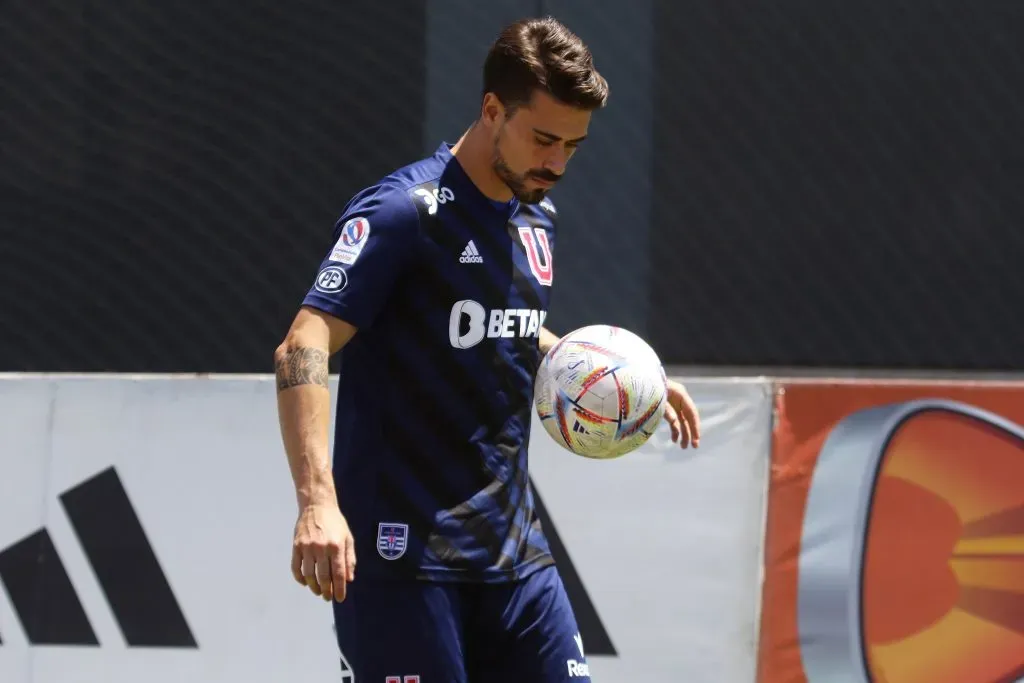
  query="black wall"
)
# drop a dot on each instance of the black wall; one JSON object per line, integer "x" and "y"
{"x": 172, "y": 171}
{"x": 834, "y": 183}
{"x": 840, "y": 183}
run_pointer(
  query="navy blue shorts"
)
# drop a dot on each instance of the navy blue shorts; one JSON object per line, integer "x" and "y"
{"x": 425, "y": 632}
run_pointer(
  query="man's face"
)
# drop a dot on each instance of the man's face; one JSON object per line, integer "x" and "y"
{"x": 532, "y": 148}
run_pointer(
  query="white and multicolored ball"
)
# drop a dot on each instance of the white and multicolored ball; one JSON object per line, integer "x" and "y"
{"x": 600, "y": 392}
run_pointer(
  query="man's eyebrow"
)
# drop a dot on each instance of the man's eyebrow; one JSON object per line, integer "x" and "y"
{"x": 555, "y": 138}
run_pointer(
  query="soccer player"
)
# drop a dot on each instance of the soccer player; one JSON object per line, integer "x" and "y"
{"x": 435, "y": 292}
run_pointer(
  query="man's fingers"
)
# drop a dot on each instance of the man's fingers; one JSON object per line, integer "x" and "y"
{"x": 297, "y": 565}
{"x": 339, "y": 573}
{"x": 309, "y": 571}
{"x": 350, "y": 558}
{"x": 323, "y": 553}
{"x": 692, "y": 418}
{"x": 687, "y": 412}
{"x": 685, "y": 436}
{"x": 673, "y": 421}
{"x": 323, "y": 572}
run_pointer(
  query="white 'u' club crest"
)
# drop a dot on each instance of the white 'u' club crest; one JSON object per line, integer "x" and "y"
{"x": 538, "y": 253}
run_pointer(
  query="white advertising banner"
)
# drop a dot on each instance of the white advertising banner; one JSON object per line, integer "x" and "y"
{"x": 145, "y": 528}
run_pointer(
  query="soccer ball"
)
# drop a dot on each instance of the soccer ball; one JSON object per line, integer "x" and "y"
{"x": 600, "y": 392}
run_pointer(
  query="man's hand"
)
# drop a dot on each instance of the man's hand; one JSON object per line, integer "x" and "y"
{"x": 546, "y": 340}
{"x": 682, "y": 417}
{"x": 323, "y": 553}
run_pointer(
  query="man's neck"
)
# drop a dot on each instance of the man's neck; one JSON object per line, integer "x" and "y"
{"x": 473, "y": 152}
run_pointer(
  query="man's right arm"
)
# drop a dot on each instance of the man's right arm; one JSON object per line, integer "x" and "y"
{"x": 324, "y": 548}
{"x": 374, "y": 240}
{"x": 303, "y": 400}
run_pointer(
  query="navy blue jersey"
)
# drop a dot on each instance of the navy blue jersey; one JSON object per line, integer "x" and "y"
{"x": 449, "y": 290}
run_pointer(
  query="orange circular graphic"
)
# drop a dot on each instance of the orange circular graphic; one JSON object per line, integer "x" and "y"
{"x": 942, "y": 583}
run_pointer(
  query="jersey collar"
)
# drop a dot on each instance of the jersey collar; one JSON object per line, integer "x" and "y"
{"x": 465, "y": 187}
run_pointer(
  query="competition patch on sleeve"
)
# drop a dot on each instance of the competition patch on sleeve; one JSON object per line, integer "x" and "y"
{"x": 331, "y": 279}
{"x": 354, "y": 235}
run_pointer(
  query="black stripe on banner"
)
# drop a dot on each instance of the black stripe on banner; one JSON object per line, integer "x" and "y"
{"x": 591, "y": 627}
{"x": 125, "y": 564}
{"x": 42, "y": 594}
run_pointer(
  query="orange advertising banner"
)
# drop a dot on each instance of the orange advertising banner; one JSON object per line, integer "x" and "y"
{"x": 894, "y": 548}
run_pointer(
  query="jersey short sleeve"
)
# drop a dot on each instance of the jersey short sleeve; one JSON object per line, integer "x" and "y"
{"x": 373, "y": 241}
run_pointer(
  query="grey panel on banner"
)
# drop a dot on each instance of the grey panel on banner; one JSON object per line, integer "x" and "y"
{"x": 25, "y": 419}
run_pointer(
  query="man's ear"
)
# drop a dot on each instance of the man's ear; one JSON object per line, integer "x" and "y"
{"x": 493, "y": 113}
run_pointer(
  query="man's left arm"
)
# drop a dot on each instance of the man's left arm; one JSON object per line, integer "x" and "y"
{"x": 680, "y": 410}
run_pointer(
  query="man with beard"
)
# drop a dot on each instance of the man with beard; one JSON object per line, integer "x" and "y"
{"x": 444, "y": 268}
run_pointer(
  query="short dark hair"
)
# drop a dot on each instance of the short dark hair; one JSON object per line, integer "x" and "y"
{"x": 542, "y": 54}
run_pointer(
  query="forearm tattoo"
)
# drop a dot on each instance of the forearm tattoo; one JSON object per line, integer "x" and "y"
{"x": 302, "y": 366}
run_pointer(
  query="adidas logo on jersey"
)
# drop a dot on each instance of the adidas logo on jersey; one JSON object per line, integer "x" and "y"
{"x": 470, "y": 254}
